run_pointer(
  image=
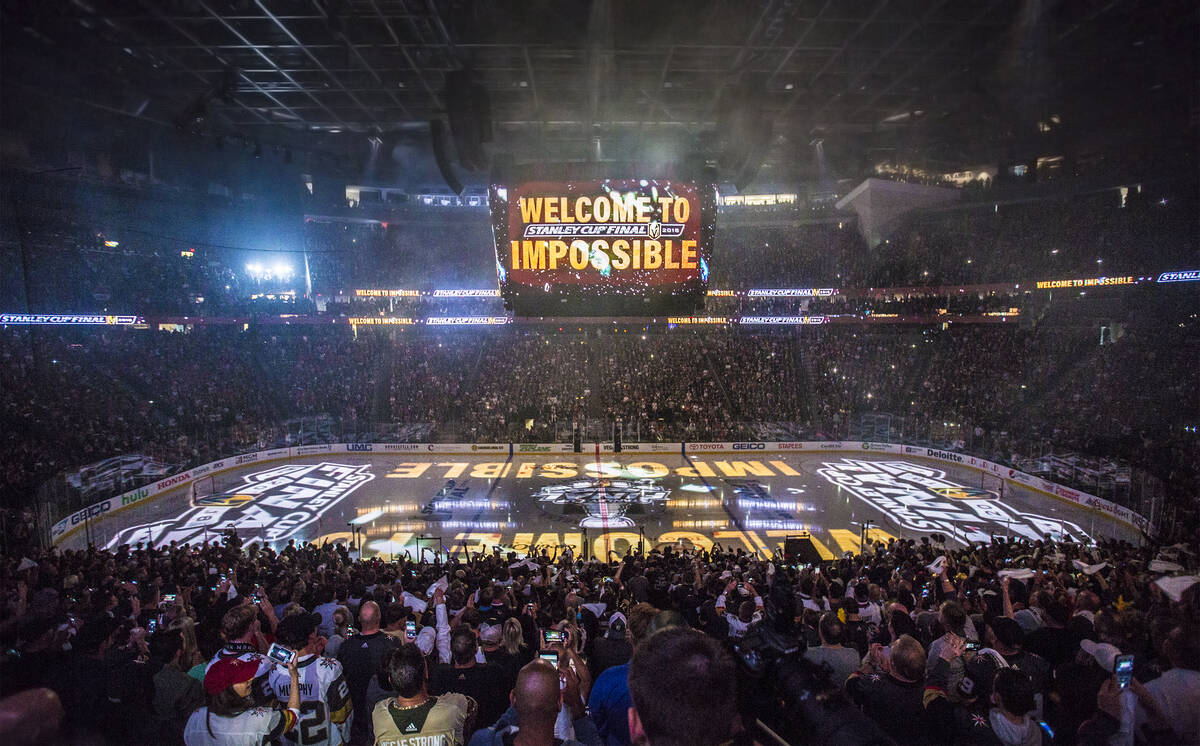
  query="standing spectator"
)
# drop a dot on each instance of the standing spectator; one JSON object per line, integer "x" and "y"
{"x": 231, "y": 717}
{"x": 176, "y": 695}
{"x": 341, "y": 630}
{"x": 613, "y": 649}
{"x": 954, "y": 620}
{"x": 889, "y": 687}
{"x": 485, "y": 683}
{"x": 683, "y": 689}
{"x": 537, "y": 699}
{"x": 1177, "y": 691}
{"x": 610, "y": 698}
{"x": 1007, "y": 638}
{"x": 1054, "y": 641}
{"x": 326, "y": 608}
{"x": 240, "y": 629}
{"x": 413, "y": 713}
{"x": 360, "y": 656}
{"x": 325, "y": 705}
{"x": 841, "y": 661}
{"x": 505, "y": 647}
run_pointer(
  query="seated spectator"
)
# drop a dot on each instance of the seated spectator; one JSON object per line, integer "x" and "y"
{"x": 413, "y": 714}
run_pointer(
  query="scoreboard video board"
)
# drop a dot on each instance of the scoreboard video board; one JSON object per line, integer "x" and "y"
{"x": 607, "y": 247}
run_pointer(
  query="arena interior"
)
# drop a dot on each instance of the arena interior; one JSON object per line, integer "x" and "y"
{"x": 400, "y": 373}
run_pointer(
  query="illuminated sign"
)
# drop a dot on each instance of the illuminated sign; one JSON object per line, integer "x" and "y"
{"x": 722, "y": 293}
{"x": 1009, "y": 312}
{"x": 370, "y": 293}
{"x": 112, "y": 244}
{"x": 1189, "y": 275}
{"x": 466, "y": 320}
{"x": 380, "y": 321}
{"x": 921, "y": 498}
{"x": 784, "y": 320}
{"x": 697, "y": 320}
{"x": 68, "y": 318}
{"x": 615, "y": 233}
{"x": 466, "y": 293}
{"x": 1085, "y": 283}
{"x": 759, "y": 200}
{"x": 792, "y": 292}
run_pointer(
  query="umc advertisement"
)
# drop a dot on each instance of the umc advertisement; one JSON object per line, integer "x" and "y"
{"x": 625, "y": 240}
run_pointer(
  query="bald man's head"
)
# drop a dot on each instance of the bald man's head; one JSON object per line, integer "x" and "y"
{"x": 536, "y": 696}
{"x": 368, "y": 617}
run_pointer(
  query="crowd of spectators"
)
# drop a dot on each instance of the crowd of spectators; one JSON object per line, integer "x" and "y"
{"x": 913, "y": 642}
{"x": 1001, "y": 391}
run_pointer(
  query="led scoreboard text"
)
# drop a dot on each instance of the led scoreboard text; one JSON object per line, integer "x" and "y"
{"x": 611, "y": 234}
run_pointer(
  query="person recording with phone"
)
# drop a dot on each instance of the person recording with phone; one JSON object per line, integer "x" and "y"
{"x": 325, "y": 707}
{"x": 231, "y": 717}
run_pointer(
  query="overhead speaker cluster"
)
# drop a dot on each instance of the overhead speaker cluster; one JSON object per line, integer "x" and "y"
{"x": 744, "y": 132}
{"x": 469, "y": 120}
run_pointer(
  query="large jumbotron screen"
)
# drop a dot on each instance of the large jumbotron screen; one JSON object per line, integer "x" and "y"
{"x": 603, "y": 247}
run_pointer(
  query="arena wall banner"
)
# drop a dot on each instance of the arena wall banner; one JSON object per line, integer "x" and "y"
{"x": 526, "y": 448}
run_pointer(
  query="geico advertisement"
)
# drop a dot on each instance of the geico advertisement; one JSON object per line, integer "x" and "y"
{"x": 619, "y": 232}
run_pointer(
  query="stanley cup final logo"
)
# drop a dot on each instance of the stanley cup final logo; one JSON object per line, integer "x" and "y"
{"x": 268, "y": 506}
{"x": 921, "y": 498}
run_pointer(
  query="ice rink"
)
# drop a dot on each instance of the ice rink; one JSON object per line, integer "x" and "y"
{"x": 596, "y": 503}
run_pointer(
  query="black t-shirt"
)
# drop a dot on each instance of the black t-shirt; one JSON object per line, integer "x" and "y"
{"x": 608, "y": 653}
{"x": 484, "y": 682}
{"x": 896, "y": 706}
{"x": 856, "y": 634}
{"x": 360, "y": 656}
{"x": 1034, "y": 665}
{"x": 1056, "y": 644}
{"x": 508, "y": 663}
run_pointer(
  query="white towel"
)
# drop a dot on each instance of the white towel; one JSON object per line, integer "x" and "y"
{"x": 1163, "y": 566}
{"x": 1089, "y": 569}
{"x": 1175, "y": 585}
{"x": 442, "y": 582}
{"x": 1021, "y": 574}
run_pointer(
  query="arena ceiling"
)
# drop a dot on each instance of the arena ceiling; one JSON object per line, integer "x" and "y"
{"x": 912, "y": 80}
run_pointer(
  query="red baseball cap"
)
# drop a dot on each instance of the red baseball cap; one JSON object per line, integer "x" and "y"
{"x": 228, "y": 671}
